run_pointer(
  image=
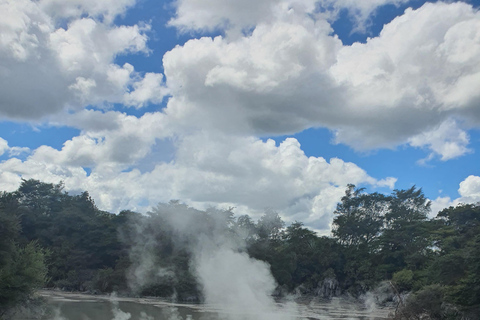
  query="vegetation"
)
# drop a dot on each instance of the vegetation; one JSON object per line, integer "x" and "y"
{"x": 22, "y": 263}
{"x": 51, "y": 238}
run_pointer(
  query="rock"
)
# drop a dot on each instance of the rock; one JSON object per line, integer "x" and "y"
{"x": 328, "y": 288}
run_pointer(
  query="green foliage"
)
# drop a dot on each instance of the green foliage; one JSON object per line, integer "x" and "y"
{"x": 405, "y": 240}
{"x": 81, "y": 239}
{"x": 22, "y": 267}
{"x": 360, "y": 218}
{"x": 458, "y": 261}
{"x": 427, "y": 303}
{"x": 403, "y": 280}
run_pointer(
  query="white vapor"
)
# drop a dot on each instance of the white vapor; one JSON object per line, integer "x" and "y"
{"x": 233, "y": 284}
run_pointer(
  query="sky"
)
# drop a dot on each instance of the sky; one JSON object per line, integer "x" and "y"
{"x": 256, "y": 104}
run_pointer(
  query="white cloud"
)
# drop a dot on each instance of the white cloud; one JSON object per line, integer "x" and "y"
{"x": 46, "y": 68}
{"x": 292, "y": 74}
{"x": 289, "y": 74}
{"x": 446, "y": 140}
{"x": 394, "y": 81}
{"x": 3, "y": 146}
{"x": 469, "y": 191}
{"x": 208, "y": 170}
{"x": 88, "y": 46}
{"x": 12, "y": 151}
{"x": 274, "y": 81}
{"x": 106, "y": 9}
{"x": 237, "y": 15}
{"x": 150, "y": 89}
{"x": 360, "y": 11}
{"x": 107, "y": 139}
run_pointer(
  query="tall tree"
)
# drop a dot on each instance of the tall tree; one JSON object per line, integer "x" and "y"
{"x": 406, "y": 241}
{"x": 360, "y": 217}
{"x": 358, "y": 226}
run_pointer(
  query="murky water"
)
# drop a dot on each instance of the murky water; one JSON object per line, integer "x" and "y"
{"x": 80, "y": 307}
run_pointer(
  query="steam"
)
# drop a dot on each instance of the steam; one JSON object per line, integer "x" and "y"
{"x": 234, "y": 279}
{"x": 57, "y": 315}
{"x": 145, "y": 266}
{"x": 232, "y": 284}
{"x": 236, "y": 285}
{"x": 118, "y": 314}
{"x": 144, "y": 316}
{"x": 172, "y": 314}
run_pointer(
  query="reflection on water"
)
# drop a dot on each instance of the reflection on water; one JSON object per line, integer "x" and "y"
{"x": 79, "y": 307}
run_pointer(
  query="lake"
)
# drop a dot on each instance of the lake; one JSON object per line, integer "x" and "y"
{"x": 72, "y": 306}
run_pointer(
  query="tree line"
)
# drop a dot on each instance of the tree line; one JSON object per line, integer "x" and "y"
{"x": 49, "y": 238}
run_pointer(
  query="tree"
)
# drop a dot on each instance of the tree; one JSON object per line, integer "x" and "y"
{"x": 360, "y": 217}
{"x": 81, "y": 239}
{"x": 268, "y": 241}
{"x": 245, "y": 228}
{"x": 358, "y": 226}
{"x": 458, "y": 262}
{"x": 299, "y": 254}
{"x": 22, "y": 268}
{"x": 406, "y": 241}
{"x": 270, "y": 225}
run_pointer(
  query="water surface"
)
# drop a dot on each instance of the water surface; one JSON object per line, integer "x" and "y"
{"x": 85, "y": 307}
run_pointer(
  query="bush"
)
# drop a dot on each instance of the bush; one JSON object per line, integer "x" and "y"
{"x": 427, "y": 304}
{"x": 403, "y": 280}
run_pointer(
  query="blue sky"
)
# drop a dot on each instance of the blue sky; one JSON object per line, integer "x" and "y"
{"x": 255, "y": 105}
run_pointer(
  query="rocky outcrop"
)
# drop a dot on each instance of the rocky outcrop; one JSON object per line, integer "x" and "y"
{"x": 328, "y": 288}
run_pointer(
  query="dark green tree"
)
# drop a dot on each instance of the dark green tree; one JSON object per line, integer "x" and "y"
{"x": 406, "y": 242}
{"x": 457, "y": 264}
{"x": 360, "y": 218}
{"x": 358, "y": 226}
{"x": 22, "y": 267}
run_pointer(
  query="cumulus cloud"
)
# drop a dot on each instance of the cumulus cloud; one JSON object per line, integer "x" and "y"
{"x": 105, "y": 9}
{"x": 239, "y": 15}
{"x": 273, "y": 81}
{"x": 446, "y": 140}
{"x": 208, "y": 170}
{"x": 359, "y": 11}
{"x": 150, "y": 89}
{"x": 12, "y": 151}
{"x": 3, "y": 146}
{"x": 469, "y": 191}
{"x": 292, "y": 74}
{"x": 107, "y": 139}
{"x": 395, "y": 83}
{"x": 47, "y": 66}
